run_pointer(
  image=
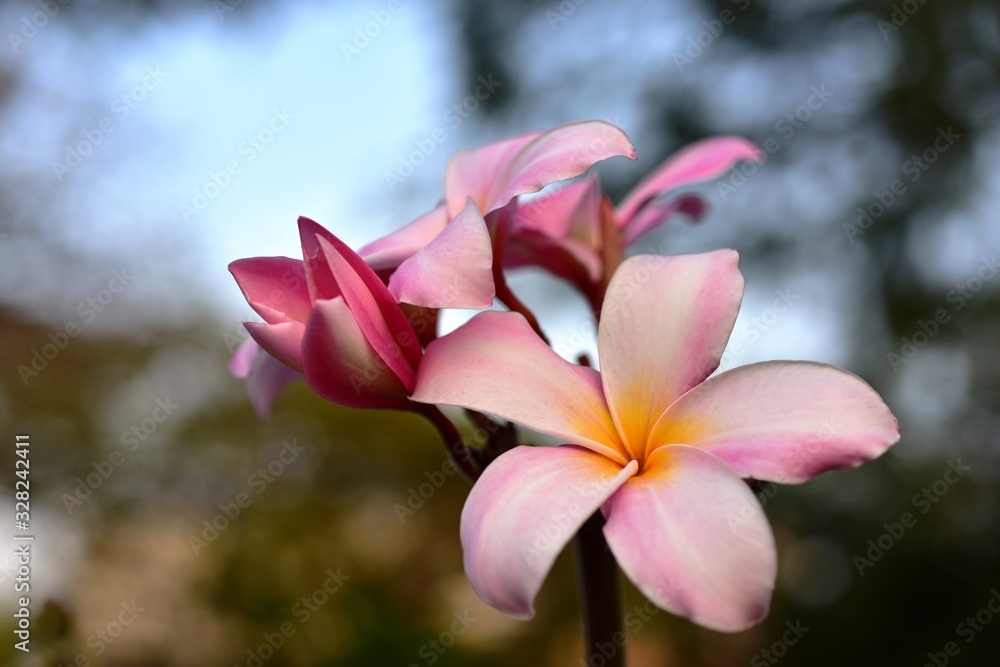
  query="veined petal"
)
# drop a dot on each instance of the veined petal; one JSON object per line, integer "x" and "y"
{"x": 689, "y": 533}
{"x": 455, "y": 270}
{"x": 494, "y": 175}
{"x": 782, "y": 421}
{"x": 342, "y": 366}
{"x": 562, "y": 152}
{"x": 520, "y": 514}
{"x": 664, "y": 324}
{"x": 275, "y": 287}
{"x": 474, "y": 173}
{"x": 388, "y": 252}
{"x": 282, "y": 341}
{"x": 382, "y": 322}
{"x": 700, "y": 161}
{"x": 495, "y": 363}
{"x": 267, "y": 379}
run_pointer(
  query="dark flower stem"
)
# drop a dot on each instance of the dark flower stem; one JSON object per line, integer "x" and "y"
{"x": 461, "y": 455}
{"x": 503, "y": 291}
{"x": 597, "y": 580}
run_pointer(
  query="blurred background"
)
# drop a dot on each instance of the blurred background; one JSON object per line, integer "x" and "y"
{"x": 146, "y": 145}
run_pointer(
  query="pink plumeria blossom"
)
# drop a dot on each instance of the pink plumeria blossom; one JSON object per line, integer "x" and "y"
{"x": 330, "y": 317}
{"x": 479, "y": 183}
{"x": 577, "y": 234}
{"x": 656, "y": 443}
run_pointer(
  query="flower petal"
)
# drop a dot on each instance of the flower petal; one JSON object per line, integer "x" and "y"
{"x": 495, "y": 363}
{"x": 495, "y": 174}
{"x": 565, "y": 258}
{"x": 241, "y": 363}
{"x": 475, "y": 173}
{"x": 555, "y": 214}
{"x": 689, "y": 533}
{"x": 282, "y": 341}
{"x": 393, "y": 249}
{"x": 700, "y": 161}
{"x": 267, "y": 379}
{"x": 520, "y": 514}
{"x": 455, "y": 270}
{"x": 664, "y": 324}
{"x": 383, "y": 323}
{"x": 342, "y": 366}
{"x": 658, "y": 212}
{"x": 782, "y": 421}
{"x": 319, "y": 280}
{"x": 275, "y": 287}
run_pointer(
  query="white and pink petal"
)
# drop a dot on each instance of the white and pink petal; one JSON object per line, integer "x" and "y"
{"x": 701, "y": 161}
{"x": 388, "y": 252}
{"x": 497, "y": 364}
{"x": 690, "y": 534}
{"x": 664, "y": 324}
{"x": 454, "y": 270}
{"x": 527, "y": 505}
{"x": 782, "y": 421}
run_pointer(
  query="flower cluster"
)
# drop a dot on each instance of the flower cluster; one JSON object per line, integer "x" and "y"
{"x": 654, "y": 440}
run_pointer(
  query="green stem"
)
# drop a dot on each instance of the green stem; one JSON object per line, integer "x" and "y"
{"x": 597, "y": 580}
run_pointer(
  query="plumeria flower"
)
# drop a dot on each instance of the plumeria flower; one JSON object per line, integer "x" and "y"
{"x": 489, "y": 178}
{"x": 653, "y": 441}
{"x": 577, "y": 234}
{"x": 331, "y": 318}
